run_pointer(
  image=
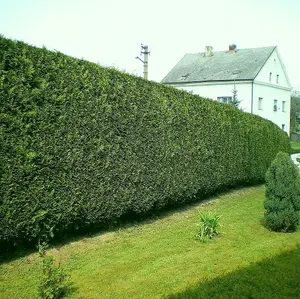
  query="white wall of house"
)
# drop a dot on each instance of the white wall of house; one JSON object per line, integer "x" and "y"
{"x": 272, "y": 88}
{"x": 264, "y": 100}
{"x": 216, "y": 90}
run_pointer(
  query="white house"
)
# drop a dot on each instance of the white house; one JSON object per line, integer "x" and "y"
{"x": 258, "y": 75}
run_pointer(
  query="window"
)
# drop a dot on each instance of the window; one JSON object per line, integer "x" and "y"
{"x": 283, "y": 127}
{"x": 225, "y": 100}
{"x": 270, "y": 77}
{"x": 277, "y": 79}
{"x": 275, "y": 105}
{"x": 260, "y": 103}
{"x": 283, "y": 106}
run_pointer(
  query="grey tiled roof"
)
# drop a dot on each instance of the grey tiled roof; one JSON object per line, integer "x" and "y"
{"x": 243, "y": 64}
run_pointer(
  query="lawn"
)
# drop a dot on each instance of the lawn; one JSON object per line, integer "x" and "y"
{"x": 295, "y": 145}
{"x": 160, "y": 258}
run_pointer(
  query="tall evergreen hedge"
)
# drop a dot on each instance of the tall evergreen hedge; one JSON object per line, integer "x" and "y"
{"x": 82, "y": 144}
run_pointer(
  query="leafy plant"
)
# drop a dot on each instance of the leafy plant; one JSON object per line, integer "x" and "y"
{"x": 209, "y": 224}
{"x": 53, "y": 281}
{"x": 282, "y": 202}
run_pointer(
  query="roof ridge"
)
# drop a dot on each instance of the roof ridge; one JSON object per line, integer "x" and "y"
{"x": 237, "y": 49}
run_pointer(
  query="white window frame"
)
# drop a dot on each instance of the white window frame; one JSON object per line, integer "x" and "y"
{"x": 225, "y": 99}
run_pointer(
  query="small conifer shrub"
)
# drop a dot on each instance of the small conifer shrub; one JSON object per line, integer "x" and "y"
{"x": 282, "y": 202}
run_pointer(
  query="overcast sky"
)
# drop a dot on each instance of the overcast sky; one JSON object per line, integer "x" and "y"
{"x": 110, "y": 32}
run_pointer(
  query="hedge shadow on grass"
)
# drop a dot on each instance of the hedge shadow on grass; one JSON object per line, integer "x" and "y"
{"x": 276, "y": 277}
{"x": 23, "y": 249}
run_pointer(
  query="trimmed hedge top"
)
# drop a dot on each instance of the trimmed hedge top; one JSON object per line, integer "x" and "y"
{"x": 82, "y": 144}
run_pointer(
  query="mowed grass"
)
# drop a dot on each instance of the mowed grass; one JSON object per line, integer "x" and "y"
{"x": 160, "y": 258}
{"x": 295, "y": 145}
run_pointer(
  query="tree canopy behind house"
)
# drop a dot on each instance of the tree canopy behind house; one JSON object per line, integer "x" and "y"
{"x": 295, "y": 112}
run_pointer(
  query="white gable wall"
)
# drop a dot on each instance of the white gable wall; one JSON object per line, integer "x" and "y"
{"x": 274, "y": 66}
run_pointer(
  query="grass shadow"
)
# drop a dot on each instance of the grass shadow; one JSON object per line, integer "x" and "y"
{"x": 276, "y": 277}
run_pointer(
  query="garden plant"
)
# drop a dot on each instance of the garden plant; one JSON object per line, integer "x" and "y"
{"x": 282, "y": 202}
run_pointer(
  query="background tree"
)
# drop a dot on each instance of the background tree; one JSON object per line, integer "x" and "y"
{"x": 295, "y": 111}
{"x": 282, "y": 202}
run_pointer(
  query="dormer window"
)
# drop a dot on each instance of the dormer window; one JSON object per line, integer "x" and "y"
{"x": 277, "y": 79}
{"x": 270, "y": 77}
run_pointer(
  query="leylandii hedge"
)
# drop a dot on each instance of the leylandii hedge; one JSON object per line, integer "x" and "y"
{"x": 82, "y": 144}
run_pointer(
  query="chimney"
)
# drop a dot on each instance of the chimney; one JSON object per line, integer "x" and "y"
{"x": 232, "y": 47}
{"x": 208, "y": 51}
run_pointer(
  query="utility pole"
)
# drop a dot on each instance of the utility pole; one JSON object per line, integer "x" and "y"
{"x": 146, "y": 52}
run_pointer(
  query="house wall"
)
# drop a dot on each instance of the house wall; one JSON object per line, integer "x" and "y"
{"x": 268, "y": 95}
{"x": 263, "y": 90}
{"x": 270, "y": 88}
{"x": 222, "y": 89}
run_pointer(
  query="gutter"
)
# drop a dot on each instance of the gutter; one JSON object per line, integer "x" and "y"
{"x": 252, "y": 97}
{"x": 205, "y": 81}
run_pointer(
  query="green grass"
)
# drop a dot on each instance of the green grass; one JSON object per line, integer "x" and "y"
{"x": 295, "y": 145}
{"x": 162, "y": 259}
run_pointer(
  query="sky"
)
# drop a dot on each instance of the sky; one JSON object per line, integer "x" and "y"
{"x": 111, "y": 32}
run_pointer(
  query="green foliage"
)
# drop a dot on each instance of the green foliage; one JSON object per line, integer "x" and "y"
{"x": 235, "y": 101}
{"x": 295, "y": 147}
{"x": 116, "y": 264}
{"x": 84, "y": 145}
{"x": 209, "y": 224}
{"x": 53, "y": 281}
{"x": 282, "y": 202}
{"x": 295, "y": 112}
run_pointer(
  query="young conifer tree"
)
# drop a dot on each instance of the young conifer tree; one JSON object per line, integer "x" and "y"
{"x": 282, "y": 202}
{"x": 235, "y": 101}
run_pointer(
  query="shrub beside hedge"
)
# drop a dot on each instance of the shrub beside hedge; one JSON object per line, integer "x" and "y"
{"x": 83, "y": 145}
{"x": 282, "y": 202}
